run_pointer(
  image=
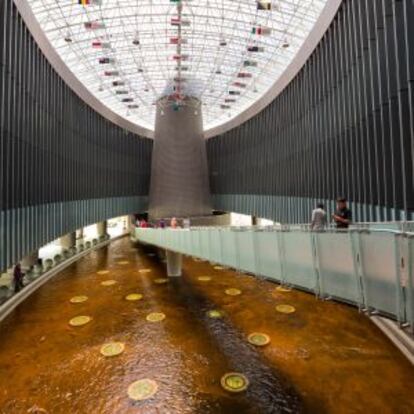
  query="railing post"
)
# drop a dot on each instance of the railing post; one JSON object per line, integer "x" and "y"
{"x": 359, "y": 275}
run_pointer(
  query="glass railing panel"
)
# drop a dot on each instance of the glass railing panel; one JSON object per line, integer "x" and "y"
{"x": 378, "y": 262}
{"x": 229, "y": 251}
{"x": 338, "y": 276}
{"x": 268, "y": 258}
{"x": 245, "y": 246}
{"x": 215, "y": 245}
{"x": 298, "y": 259}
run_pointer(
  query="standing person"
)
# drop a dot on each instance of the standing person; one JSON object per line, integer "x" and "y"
{"x": 343, "y": 215}
{"x": 174, "y": 223}
{"x": 161, "y": 224}
{"x": 319, "y": 219}
{"x": 18, "y": 278}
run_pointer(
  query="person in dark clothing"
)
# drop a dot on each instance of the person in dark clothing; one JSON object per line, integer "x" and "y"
{"x": 343, "y": 215}
{"x": 18, "y": 278}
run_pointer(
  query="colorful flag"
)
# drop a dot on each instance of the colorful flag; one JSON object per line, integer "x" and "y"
{"x": 90, "y": 2}
{"x": 239, "y": 84}
{"x": 177, "y": 21}
{"x": 244, "y": 75}
{"x": 127, "y": 100}
{"x": 234, "y": 92}
{"x": 101, "y": 45}
{"x": 133, "y": 106}
{"x": 94, "y": 25}
{"x": 182, "y": 68}
{"x": 106, "y": 60}
{"x": 177, "y": 79}
{"x": 111, "y": 73}
{"x": 178, "y": 41}
{"x": 118, "y": 83}
{"x": 255, "y": 49}
{"x": 225, "y": 106}
{"x": 229, "y": 100}
{"x": 121, "y": 92}
{"x": 180, "y": 57}
{"x": 263, "y": 31}
{"x": 251, "y": 63}
{"x": 264, "y": 5}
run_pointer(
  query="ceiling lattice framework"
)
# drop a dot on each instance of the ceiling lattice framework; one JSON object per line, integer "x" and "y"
{"x": 129, "y": 53}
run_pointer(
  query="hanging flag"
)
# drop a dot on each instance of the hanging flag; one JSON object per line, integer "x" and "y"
{"x": 90, "y": 2}
{"x": 263, "y": 31}
{"x": 177, "y": 21}
{"x": 177, "y": 79}
{"x": 223, "y": 42}
{"x": 255, "y": 49}
{"x": 127, "y": 100}
{"x": 182, "y": 68}
{"x": 175, "y": 1}
{"x": 121, "y": 92}
{"x": 111, "y": 73}
{"x": 264, "y": 5}
{"x": 94, "y": 25}
{"x": 225, "y": 106}
{"x": 101, "y": 45}
{"x": 234, "y": 92}
{"x": 180, "y": 57}
{"x": 106, "y": 60}
{"x": 229, "y": 100}
{"x": 133, "y": 106}
{"x": 118, "y": 83}
{"x": 251, "y": 63}
{"x": 239, "y": 84}
{"x": 178, "y": 41}
{"x": 244, "y": 75}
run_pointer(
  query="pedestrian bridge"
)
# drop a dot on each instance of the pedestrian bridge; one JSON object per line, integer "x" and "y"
{"x": 372, "y": 269}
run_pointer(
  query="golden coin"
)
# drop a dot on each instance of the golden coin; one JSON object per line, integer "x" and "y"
{"x": 102, "y": 272}
{"x": 123, "y": 262}
{"x": 281, "y": 288}
{"x": 144, "y": 270}
{"x": 204, "y": 278}
{"x": 219, "y": 267}
{"x": 285, "y": 308}
{"x": 258, "y": 339}
{"x": 215, "y": 314}
{"x": 161, "y": 281}
{"x": 80, "y": 320}
{"x": 112, "y": 349}
{"x": 133, "y": 296}
{"x": 234, "y": 382}
{"x": 233, "y": 292}
{"x": 142, "y": 389}
{"x": 155, "y": 317}
{"x": 108, "y": 282}
{"x": 79, "y": 299}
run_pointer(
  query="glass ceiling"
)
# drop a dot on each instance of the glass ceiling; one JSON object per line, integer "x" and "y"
{"x": 129, "y": 53}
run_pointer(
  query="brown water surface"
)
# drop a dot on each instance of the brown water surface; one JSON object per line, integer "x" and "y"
{"x": 323, "y": 358}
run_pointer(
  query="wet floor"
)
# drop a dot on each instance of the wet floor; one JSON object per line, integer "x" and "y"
{"x": 322, "y": 358}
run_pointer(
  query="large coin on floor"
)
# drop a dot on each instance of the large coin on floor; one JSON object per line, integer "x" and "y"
{"x": 108, "y": 282}
{"x": 79, "y": 299}
{"x": 285, "y": 308}
{"x": 219, "y": 267}
{"x": 155, "y": 317}
{"x": 204, "y": 278}
{"x": 258, "y": 339}
{"x": 215, "y": 314}
{"x": 233, "y": 292}
{"x": 144, "y": 270}
{"x": 123, "y": 262}
{"x": 142, "y": 389}
{"x": 80, "y": 320}
{"x": 234, "y": 382}
{"x": 112, "y": 349}
{"x": 133, "y": 297}
{"x": 281, "y": 288}
{"x": 102, "y": 272}
{"x": 161, "y": 280}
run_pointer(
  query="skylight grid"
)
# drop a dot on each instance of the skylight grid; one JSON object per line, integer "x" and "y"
{"x": 130, "y": 53}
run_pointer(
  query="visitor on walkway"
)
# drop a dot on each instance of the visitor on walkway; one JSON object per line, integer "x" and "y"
{"x": 143, "y": 224}
{"x": 18, "y": 278}
{"x": 174, "y": 223}
{"x": 343, "y": 215}
{"x": 161, "y": 224}
{"x": 319, "y": 218}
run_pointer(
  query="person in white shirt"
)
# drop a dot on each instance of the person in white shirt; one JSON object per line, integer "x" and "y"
{"x": 319, "y": 218}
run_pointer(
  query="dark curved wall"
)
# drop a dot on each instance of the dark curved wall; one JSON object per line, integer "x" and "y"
{"x": 62, "y": 165}
{"x": 343, "y": 126}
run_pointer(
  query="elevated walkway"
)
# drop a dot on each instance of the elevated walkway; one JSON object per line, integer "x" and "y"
{"x": 371, "y": 269}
